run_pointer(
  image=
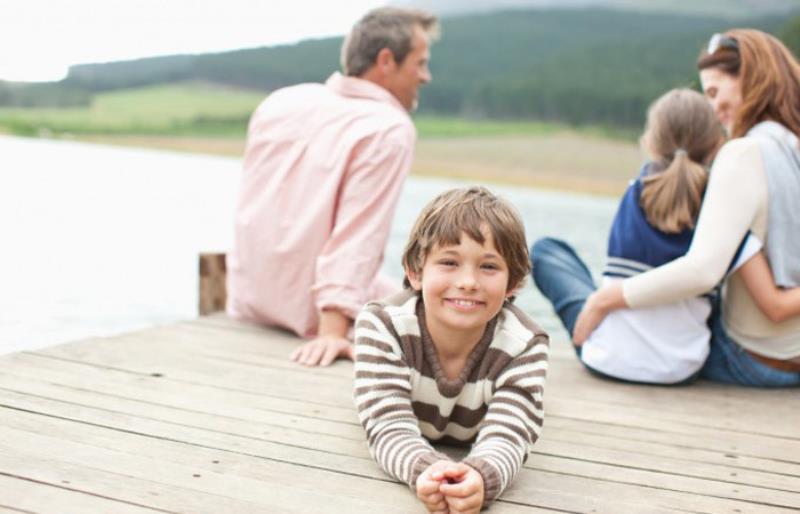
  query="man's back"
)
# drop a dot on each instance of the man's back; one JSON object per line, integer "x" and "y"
{"x": 323, "y": 168}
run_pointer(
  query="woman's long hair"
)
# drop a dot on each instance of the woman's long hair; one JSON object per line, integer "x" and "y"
{"x": 769, "y": 78}
{"x": 682, "y": 135}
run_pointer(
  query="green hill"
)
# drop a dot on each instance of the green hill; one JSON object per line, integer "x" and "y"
{"x": 579, "y": 66}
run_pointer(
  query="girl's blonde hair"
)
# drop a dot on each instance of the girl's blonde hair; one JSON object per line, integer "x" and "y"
{"x": 682, "y": 135}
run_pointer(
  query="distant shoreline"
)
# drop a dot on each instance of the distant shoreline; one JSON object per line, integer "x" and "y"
{"x": 562, "y": 161}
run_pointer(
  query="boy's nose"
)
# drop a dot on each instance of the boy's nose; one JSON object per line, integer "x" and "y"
{"x": 467, "y": 280}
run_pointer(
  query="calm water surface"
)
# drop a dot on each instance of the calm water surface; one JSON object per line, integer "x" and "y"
{"x": 101, "y": 240}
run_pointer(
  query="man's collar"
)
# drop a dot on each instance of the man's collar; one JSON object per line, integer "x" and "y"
{"x": 355, "y": 87}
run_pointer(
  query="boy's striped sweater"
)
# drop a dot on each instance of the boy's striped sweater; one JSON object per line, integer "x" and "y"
{"x": 404, "y": 400}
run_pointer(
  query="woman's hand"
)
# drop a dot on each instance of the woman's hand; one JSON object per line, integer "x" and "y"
{"x": 606, "y": 299}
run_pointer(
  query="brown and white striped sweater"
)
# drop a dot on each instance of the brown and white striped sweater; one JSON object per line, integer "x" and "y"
{"x": 404, "y": 400}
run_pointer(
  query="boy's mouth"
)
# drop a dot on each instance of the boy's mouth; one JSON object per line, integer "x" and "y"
{"x": 464, "y": 303}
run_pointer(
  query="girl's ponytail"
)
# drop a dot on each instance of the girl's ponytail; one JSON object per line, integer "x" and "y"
{"x": 671, "y": 199}
{"x": 682, "y": 135}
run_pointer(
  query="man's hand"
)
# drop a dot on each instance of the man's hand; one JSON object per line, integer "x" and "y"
{"x": 462, "y": 489}
{"x": 323, "y": 350}
{"x": 428, "y": 483}
{"x": 330, "y": 344}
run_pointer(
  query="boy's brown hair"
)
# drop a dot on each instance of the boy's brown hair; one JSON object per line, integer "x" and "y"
{"x": 467, "y": 211}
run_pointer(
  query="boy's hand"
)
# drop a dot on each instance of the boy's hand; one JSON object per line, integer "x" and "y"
{"x": 463, "y": 489}
{"x": 428, "y": 484}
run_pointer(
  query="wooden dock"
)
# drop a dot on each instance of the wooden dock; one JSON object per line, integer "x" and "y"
{"x": 209, "y": 416}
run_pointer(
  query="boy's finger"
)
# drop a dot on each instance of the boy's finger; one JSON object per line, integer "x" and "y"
{"x": 427, "y": 487}
{"x": 468, "y": 504}
{"x": 456, "y": 471}
{"x": 459, "y": 490}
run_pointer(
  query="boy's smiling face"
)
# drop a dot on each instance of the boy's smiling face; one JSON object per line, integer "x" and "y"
{"x": 463, "y": 287}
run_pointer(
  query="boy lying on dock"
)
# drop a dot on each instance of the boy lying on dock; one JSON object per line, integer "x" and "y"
{"x": 451, "y": 359}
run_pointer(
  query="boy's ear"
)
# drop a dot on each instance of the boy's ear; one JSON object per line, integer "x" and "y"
{"x": 415, "y": 279}
{"x": 514, "y": 289}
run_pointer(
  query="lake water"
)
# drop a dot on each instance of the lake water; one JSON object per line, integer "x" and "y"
{"x": 101, "y": 240}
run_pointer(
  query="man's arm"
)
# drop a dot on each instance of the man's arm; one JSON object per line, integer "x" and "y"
{"x": 330, "y": 343}
{"x": 349, "y": 262}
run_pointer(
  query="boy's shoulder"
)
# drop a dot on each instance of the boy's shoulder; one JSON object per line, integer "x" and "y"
{"x": 517, "y": 333}
{"x": 397, "y": 311}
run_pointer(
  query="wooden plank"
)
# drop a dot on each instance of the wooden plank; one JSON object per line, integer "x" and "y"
{"x": 212, "y": 293}
{"x": 687, "y": 440}
{"x": 624, "y": 476}
{"x": 29, "y": 497}
{"x": 218, "y": 466}
{"x": 150, "y": 396}
{"x": 210, "y": 390}
{"x": 161, "y": 390}
{"x": 335, "y": 391}
{"x": 160, "y": 450}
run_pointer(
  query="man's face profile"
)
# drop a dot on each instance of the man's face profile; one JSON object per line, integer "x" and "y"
{"x": 405, "y": 78}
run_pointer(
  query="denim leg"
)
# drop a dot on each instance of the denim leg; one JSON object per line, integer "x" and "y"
{"x": 562, "y": 278}
{"x": 728, "y": 362}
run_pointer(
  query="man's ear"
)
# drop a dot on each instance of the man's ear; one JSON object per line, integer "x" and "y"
{"x": 385, "y": 60}
{"x": 415, "y": 279}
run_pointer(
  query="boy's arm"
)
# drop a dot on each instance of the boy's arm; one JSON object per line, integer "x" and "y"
{"x": 383, "y": 400}
{"x": 513, "y": 420}
{"x": 777, "y": 304}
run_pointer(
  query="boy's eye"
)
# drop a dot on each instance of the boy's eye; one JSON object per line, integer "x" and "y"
{"x": 490, "y": 266}
{"x": 447, "y": 262}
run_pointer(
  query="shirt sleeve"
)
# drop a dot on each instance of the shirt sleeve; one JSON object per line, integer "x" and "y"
{"x": 383, "y": 399}
{"x": 350, "y": 259}
{"x": 735, "y": 191}
{"x": 513, "y": 420}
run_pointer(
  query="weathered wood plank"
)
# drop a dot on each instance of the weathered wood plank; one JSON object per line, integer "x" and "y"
{"x": 220, "y": 399}
{"x": 28, "y": 497}
{"x": 612, "y": 476}
{"x": 334, "y": 390}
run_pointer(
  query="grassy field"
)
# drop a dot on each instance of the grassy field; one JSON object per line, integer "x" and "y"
{"x": 197, "y": 117}
{"x": 177, "y": 109}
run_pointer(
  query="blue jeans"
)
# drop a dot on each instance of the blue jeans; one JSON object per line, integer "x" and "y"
{"x": 729, "y": 363}
{"x": 563, "y": 278}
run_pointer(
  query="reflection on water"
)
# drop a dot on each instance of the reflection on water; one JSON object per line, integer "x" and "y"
{"x": 101, "y": 240}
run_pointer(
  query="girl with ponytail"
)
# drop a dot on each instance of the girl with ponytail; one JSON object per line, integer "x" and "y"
{"x": 654, "y": 225}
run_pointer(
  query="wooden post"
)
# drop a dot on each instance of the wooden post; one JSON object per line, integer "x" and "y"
{"x": 212, "y": 283}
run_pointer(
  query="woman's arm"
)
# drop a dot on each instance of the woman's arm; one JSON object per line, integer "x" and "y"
{"x": 777, "y": 304}
{"x": 736, "y": 190}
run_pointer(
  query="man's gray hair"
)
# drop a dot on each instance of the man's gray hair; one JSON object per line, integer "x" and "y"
{"x": 385, "y": 27}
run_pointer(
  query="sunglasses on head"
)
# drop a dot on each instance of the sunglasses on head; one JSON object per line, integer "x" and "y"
{"x": 718, "y": 41}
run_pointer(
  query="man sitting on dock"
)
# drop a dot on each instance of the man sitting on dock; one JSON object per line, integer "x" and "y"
{"x": 323, "y": 169}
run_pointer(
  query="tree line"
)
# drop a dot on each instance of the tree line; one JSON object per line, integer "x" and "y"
{"x": 571, "y": 65}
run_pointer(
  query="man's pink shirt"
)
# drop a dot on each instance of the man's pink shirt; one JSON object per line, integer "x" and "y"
{"x": 323, "y": 169}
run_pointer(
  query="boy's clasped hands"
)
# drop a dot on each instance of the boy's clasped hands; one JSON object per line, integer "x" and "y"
{"x": 447, "y": 487}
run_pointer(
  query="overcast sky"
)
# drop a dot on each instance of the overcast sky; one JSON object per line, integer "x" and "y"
{"x": 39, "y": 39}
